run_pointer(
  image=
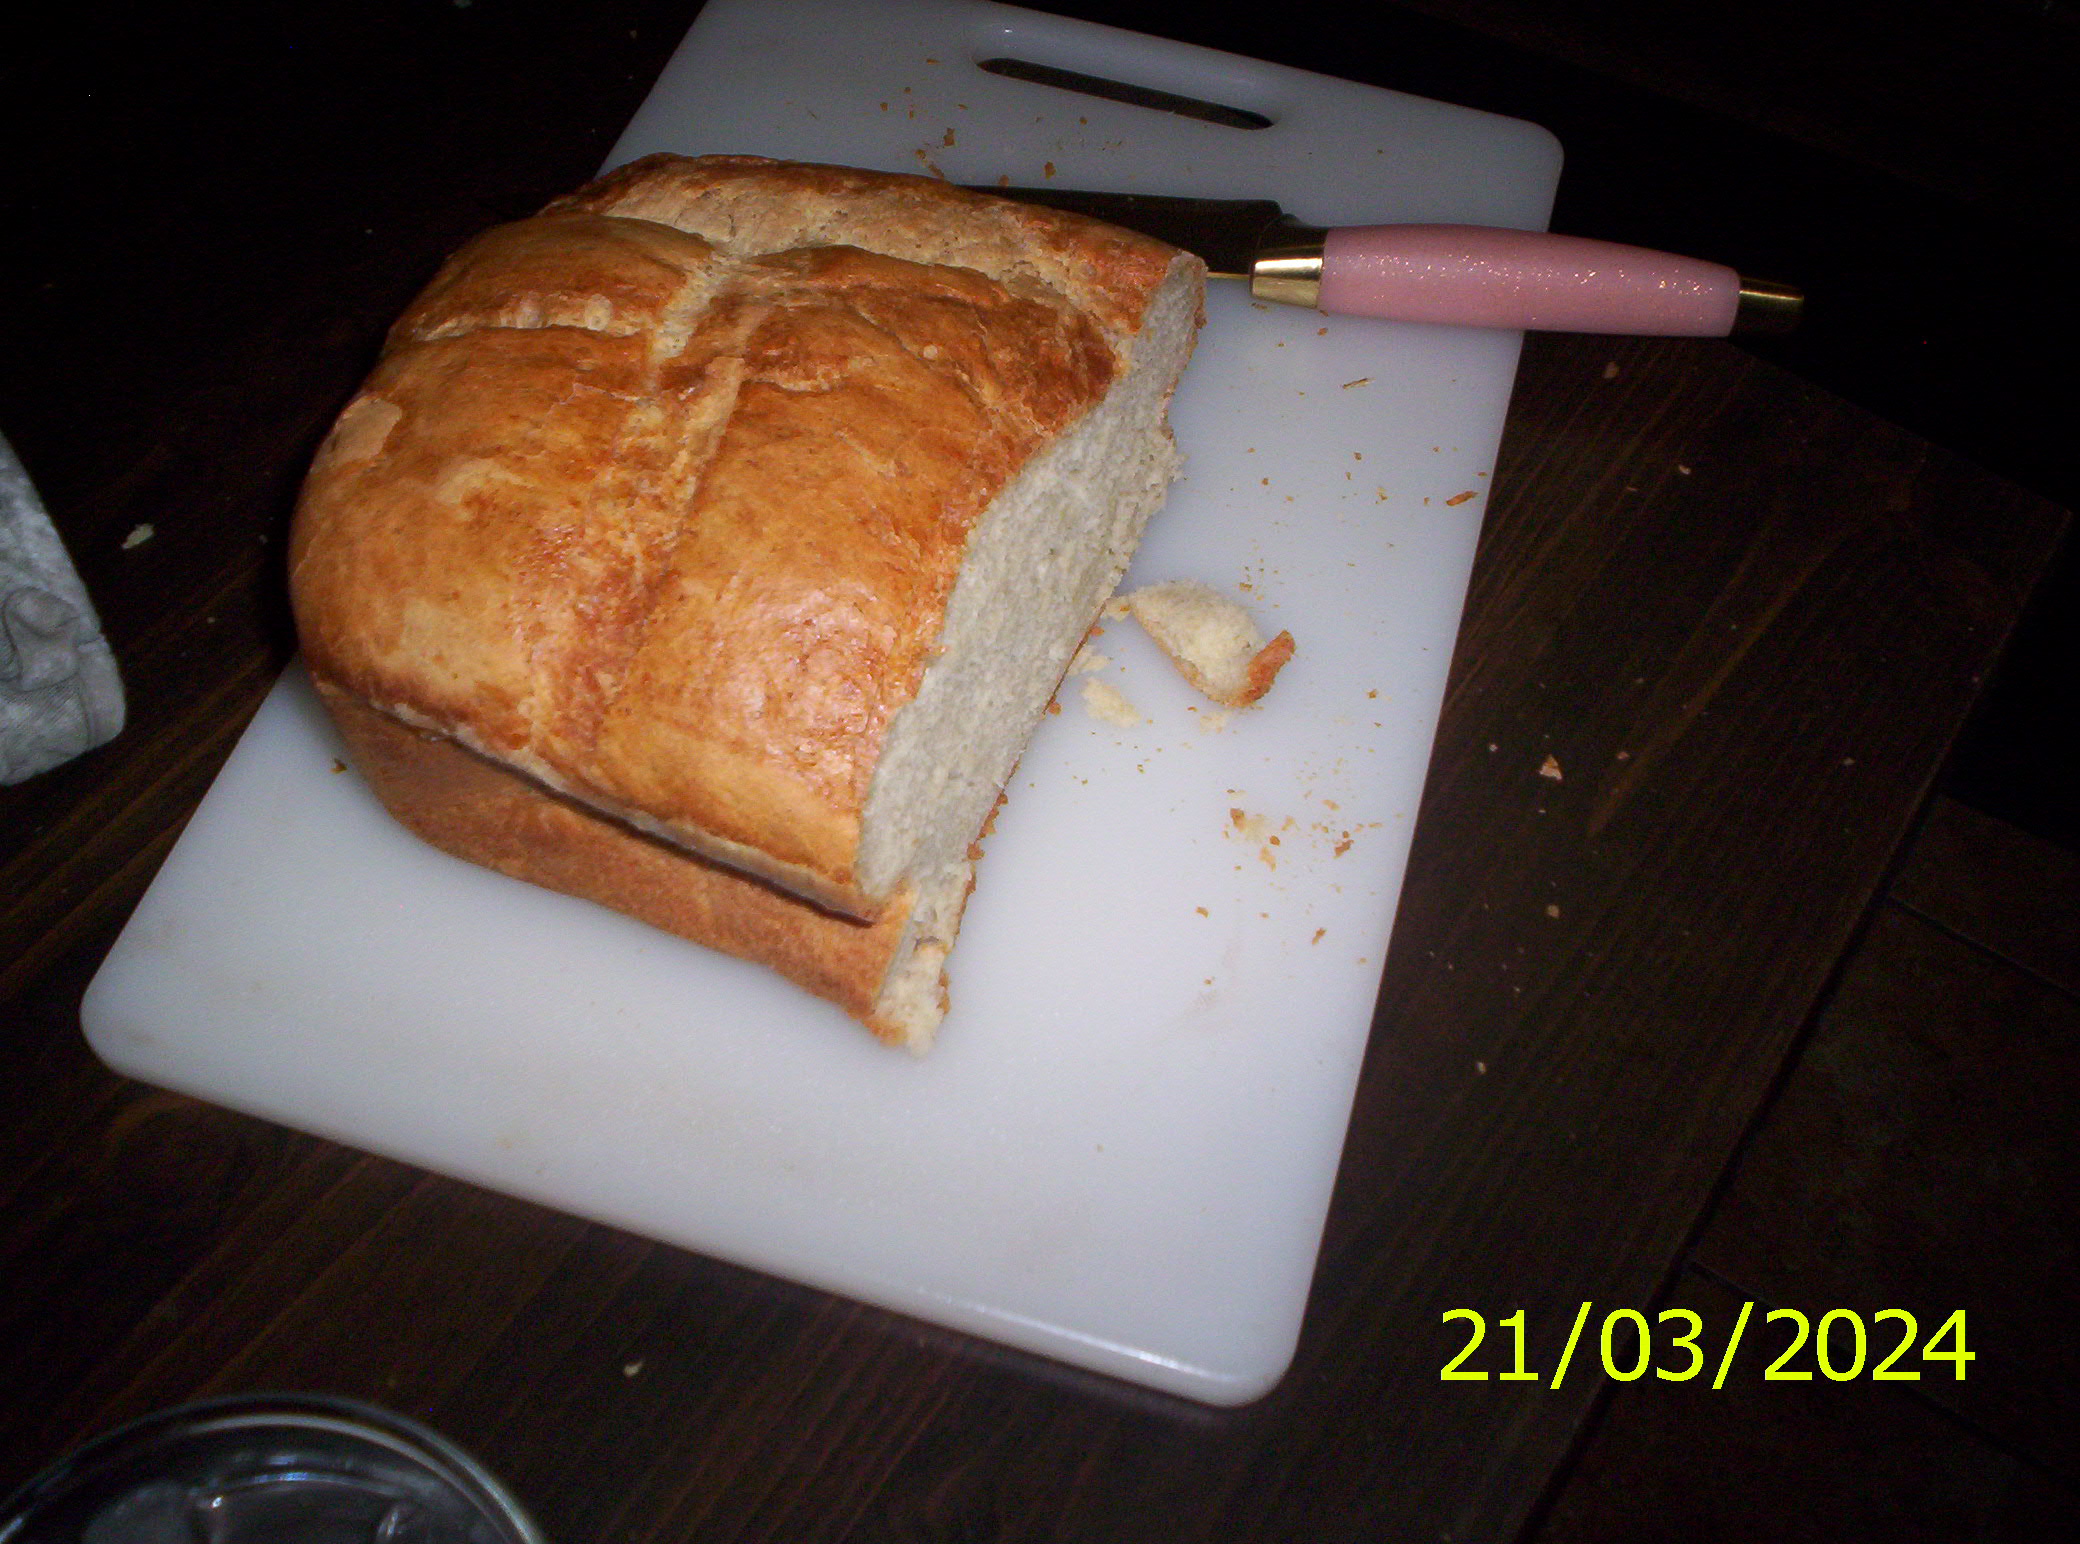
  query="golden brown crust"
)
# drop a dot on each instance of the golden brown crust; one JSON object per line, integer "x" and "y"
{"x": 1263, "y": 670}
{"x": 484, "y": 814}
{"x": 657, "y": 497}
{"x": 1105, "y": 272}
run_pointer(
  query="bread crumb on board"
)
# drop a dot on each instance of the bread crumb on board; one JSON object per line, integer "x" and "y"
{"x": 1213, "y": 641}
{"x": 1109, "y": 704}
{"x": 1088, "y": 660}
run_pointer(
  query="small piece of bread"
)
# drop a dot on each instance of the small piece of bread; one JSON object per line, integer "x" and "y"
{"x": 1109, "y": 704}
{"x": 1213, "y": 642}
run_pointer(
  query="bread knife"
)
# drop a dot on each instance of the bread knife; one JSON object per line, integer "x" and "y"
{"x": 1459, "y": 275}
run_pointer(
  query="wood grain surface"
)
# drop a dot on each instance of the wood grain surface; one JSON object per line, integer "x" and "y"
{"x": 1725, "y": 627}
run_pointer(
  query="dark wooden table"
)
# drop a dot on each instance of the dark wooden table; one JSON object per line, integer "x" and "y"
{"x": 1746, "y": 615}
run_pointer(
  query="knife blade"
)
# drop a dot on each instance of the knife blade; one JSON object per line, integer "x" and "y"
{"x": 1459, "y": 275}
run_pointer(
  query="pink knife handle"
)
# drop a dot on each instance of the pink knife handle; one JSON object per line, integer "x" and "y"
{"x": 1486, "y": 276}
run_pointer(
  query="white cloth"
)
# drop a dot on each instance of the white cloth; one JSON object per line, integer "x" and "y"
{"x": 59, "y": 691}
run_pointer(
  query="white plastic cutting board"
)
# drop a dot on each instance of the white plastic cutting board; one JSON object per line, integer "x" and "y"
{"x": 1122, "y": 1151}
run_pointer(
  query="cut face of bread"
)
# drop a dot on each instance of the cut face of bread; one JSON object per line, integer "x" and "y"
{"x": 751, "y": 511}
{"x": 1211, "y": 639}
{"x": 1042, "y": 561}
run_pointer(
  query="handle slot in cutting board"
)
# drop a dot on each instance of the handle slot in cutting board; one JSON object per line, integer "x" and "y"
{"x": 1122, "y": 1150}
{"x": 1124, "y": 91}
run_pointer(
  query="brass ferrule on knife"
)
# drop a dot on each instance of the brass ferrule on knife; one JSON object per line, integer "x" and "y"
{"x": 1767, "y": 306}
{"x": 1288, "y": 268}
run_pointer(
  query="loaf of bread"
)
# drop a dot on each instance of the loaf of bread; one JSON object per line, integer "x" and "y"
{"x": 709, "y": 545}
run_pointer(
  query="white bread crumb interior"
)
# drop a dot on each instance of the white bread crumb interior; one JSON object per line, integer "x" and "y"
{"x": 1041, "y": 563}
